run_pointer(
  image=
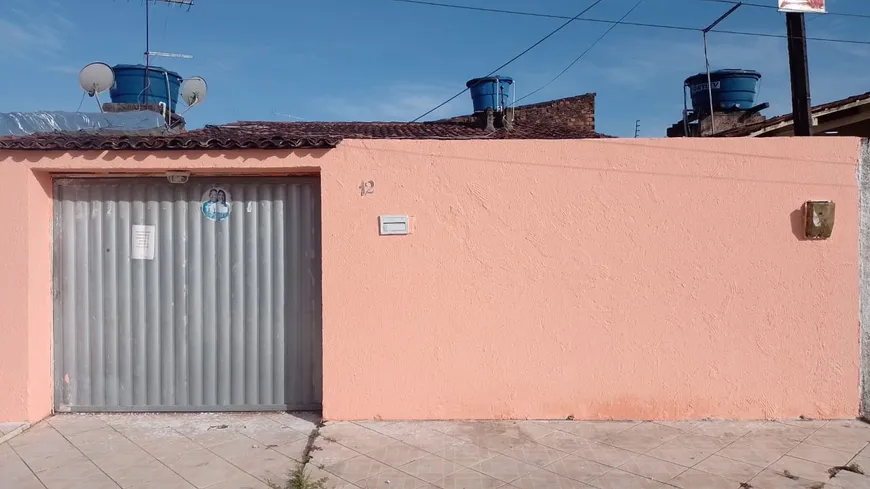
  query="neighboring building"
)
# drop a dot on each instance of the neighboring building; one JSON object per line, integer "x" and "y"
{"x": 702, "y": 125}
{"x": 735, "y": 113}
{"x": 485, "y": 268}
{"x": 847, "y": 117}
{"x": 720, "y": 100}
{"x": 575, "y": 113}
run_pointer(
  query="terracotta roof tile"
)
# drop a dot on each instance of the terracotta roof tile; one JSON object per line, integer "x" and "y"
{"x": 404, "y": 130}
{"x": 284, "y": 135}
{"x": 207, "y": 138}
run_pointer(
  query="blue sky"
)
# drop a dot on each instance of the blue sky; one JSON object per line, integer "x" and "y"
{"x": 383, "y": 60}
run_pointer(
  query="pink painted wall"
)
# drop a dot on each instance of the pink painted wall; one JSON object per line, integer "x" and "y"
{"x": 14, "y": 364}
{"x": 25, "y": 305}
{"x": 646, "y": 279}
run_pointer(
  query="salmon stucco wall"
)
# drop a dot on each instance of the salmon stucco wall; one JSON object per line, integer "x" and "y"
{"x": 621, "y": 279}
{"x": 25, "y": 306}
{"x": 604, "y": 279}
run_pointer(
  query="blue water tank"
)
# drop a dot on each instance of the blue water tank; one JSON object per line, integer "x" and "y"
{"x": 492, "y": 92}
{"x": 129, "y": 85}
{"x": 732, "y": 90}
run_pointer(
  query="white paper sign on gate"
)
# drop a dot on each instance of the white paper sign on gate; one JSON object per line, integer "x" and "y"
{"x": 143, "y": 242}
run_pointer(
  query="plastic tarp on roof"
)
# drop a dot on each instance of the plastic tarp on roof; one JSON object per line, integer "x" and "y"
{"x": 25, "y": 123}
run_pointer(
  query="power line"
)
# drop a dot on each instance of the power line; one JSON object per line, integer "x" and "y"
{"x": 774, "y": 7}
{"x": 81, "y": 102}
{"x": 635, "y": 24}
{"x": 578, "y": 58}
{"x": 533, "y": 46}
{"x": 781, "y": 36}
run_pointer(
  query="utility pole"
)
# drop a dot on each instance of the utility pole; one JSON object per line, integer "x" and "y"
{"x": 800, "y": 78}
{"x": 636, "y": 128}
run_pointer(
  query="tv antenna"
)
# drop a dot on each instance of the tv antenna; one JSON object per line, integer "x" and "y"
{"x": 192, "y": 92}
{"x": 148, "y": 52}
{"x": 95, "y": 79}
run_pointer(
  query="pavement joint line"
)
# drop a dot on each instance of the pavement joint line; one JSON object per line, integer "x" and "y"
{"x": 32, "y": 472}
{"x": 827, "y": 422}
{"x": 786, "y": 453}
{"x": 568, "y": 454}
{"x": 635, "y": 423}
{"x": 402, "y": 441}
{"x": 146, "y": 451}
{"x": 12, "y": 434}
{"x": 196, "y": 443}
{"x": 605, "y": 441}
{"x": 209, "y": 450}
{"x": 78, "y": 450}
{"x": 646, "y": 454}
{"x": 858, "y": 453}
{"x": 717, "y": 452}
{"x": 436, "y": 454}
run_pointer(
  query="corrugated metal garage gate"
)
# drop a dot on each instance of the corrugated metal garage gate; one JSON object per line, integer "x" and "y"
{"x": 198, "y": 296}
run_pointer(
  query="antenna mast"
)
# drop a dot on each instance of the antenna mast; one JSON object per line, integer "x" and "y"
{"x": 706, "y": 31}
{"x": 148, "y": 52}
{"x": 147, "y": 49}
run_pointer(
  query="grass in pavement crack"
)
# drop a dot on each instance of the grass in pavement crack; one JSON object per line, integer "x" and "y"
{"x": 833, "y": 471}
{"x": 299, "y": 477}
{"x": 310, "y": 446}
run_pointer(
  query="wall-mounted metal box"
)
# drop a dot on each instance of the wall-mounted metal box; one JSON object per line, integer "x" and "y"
{"x": 394, "y": 225}
{"x": 819, "y": 219}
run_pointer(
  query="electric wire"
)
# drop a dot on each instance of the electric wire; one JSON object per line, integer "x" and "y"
{"x": 775, "y": 7}
{"x": 533, "y": 46}
{"x": 79, "y": 109}
{"x": 635, "y": 24}
{"x": 612, "y": 23}
{"x": 584, "y": 53}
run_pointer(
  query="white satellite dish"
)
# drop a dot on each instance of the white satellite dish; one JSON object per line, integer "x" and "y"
{"x": 193, "y": 90}
{"x": 96, "y": 78}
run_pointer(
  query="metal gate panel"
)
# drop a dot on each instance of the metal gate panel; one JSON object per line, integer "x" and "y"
{"x": 226, "y": 314}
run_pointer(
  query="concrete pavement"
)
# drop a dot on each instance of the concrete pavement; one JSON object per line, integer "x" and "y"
{"x": 236, "y": 451}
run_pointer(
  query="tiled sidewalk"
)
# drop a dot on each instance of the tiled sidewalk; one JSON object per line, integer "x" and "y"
{"x": 245, "y": 450}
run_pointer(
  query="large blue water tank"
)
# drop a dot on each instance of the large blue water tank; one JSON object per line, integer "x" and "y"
{"x": 492, "y": 92}
{"x": 732, "y": 89}
{"x": 129, "y": 85}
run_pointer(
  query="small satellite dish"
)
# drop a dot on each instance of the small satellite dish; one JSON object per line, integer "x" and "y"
{"x": 193, "y": 90}
{"x": 96, "y": 78}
